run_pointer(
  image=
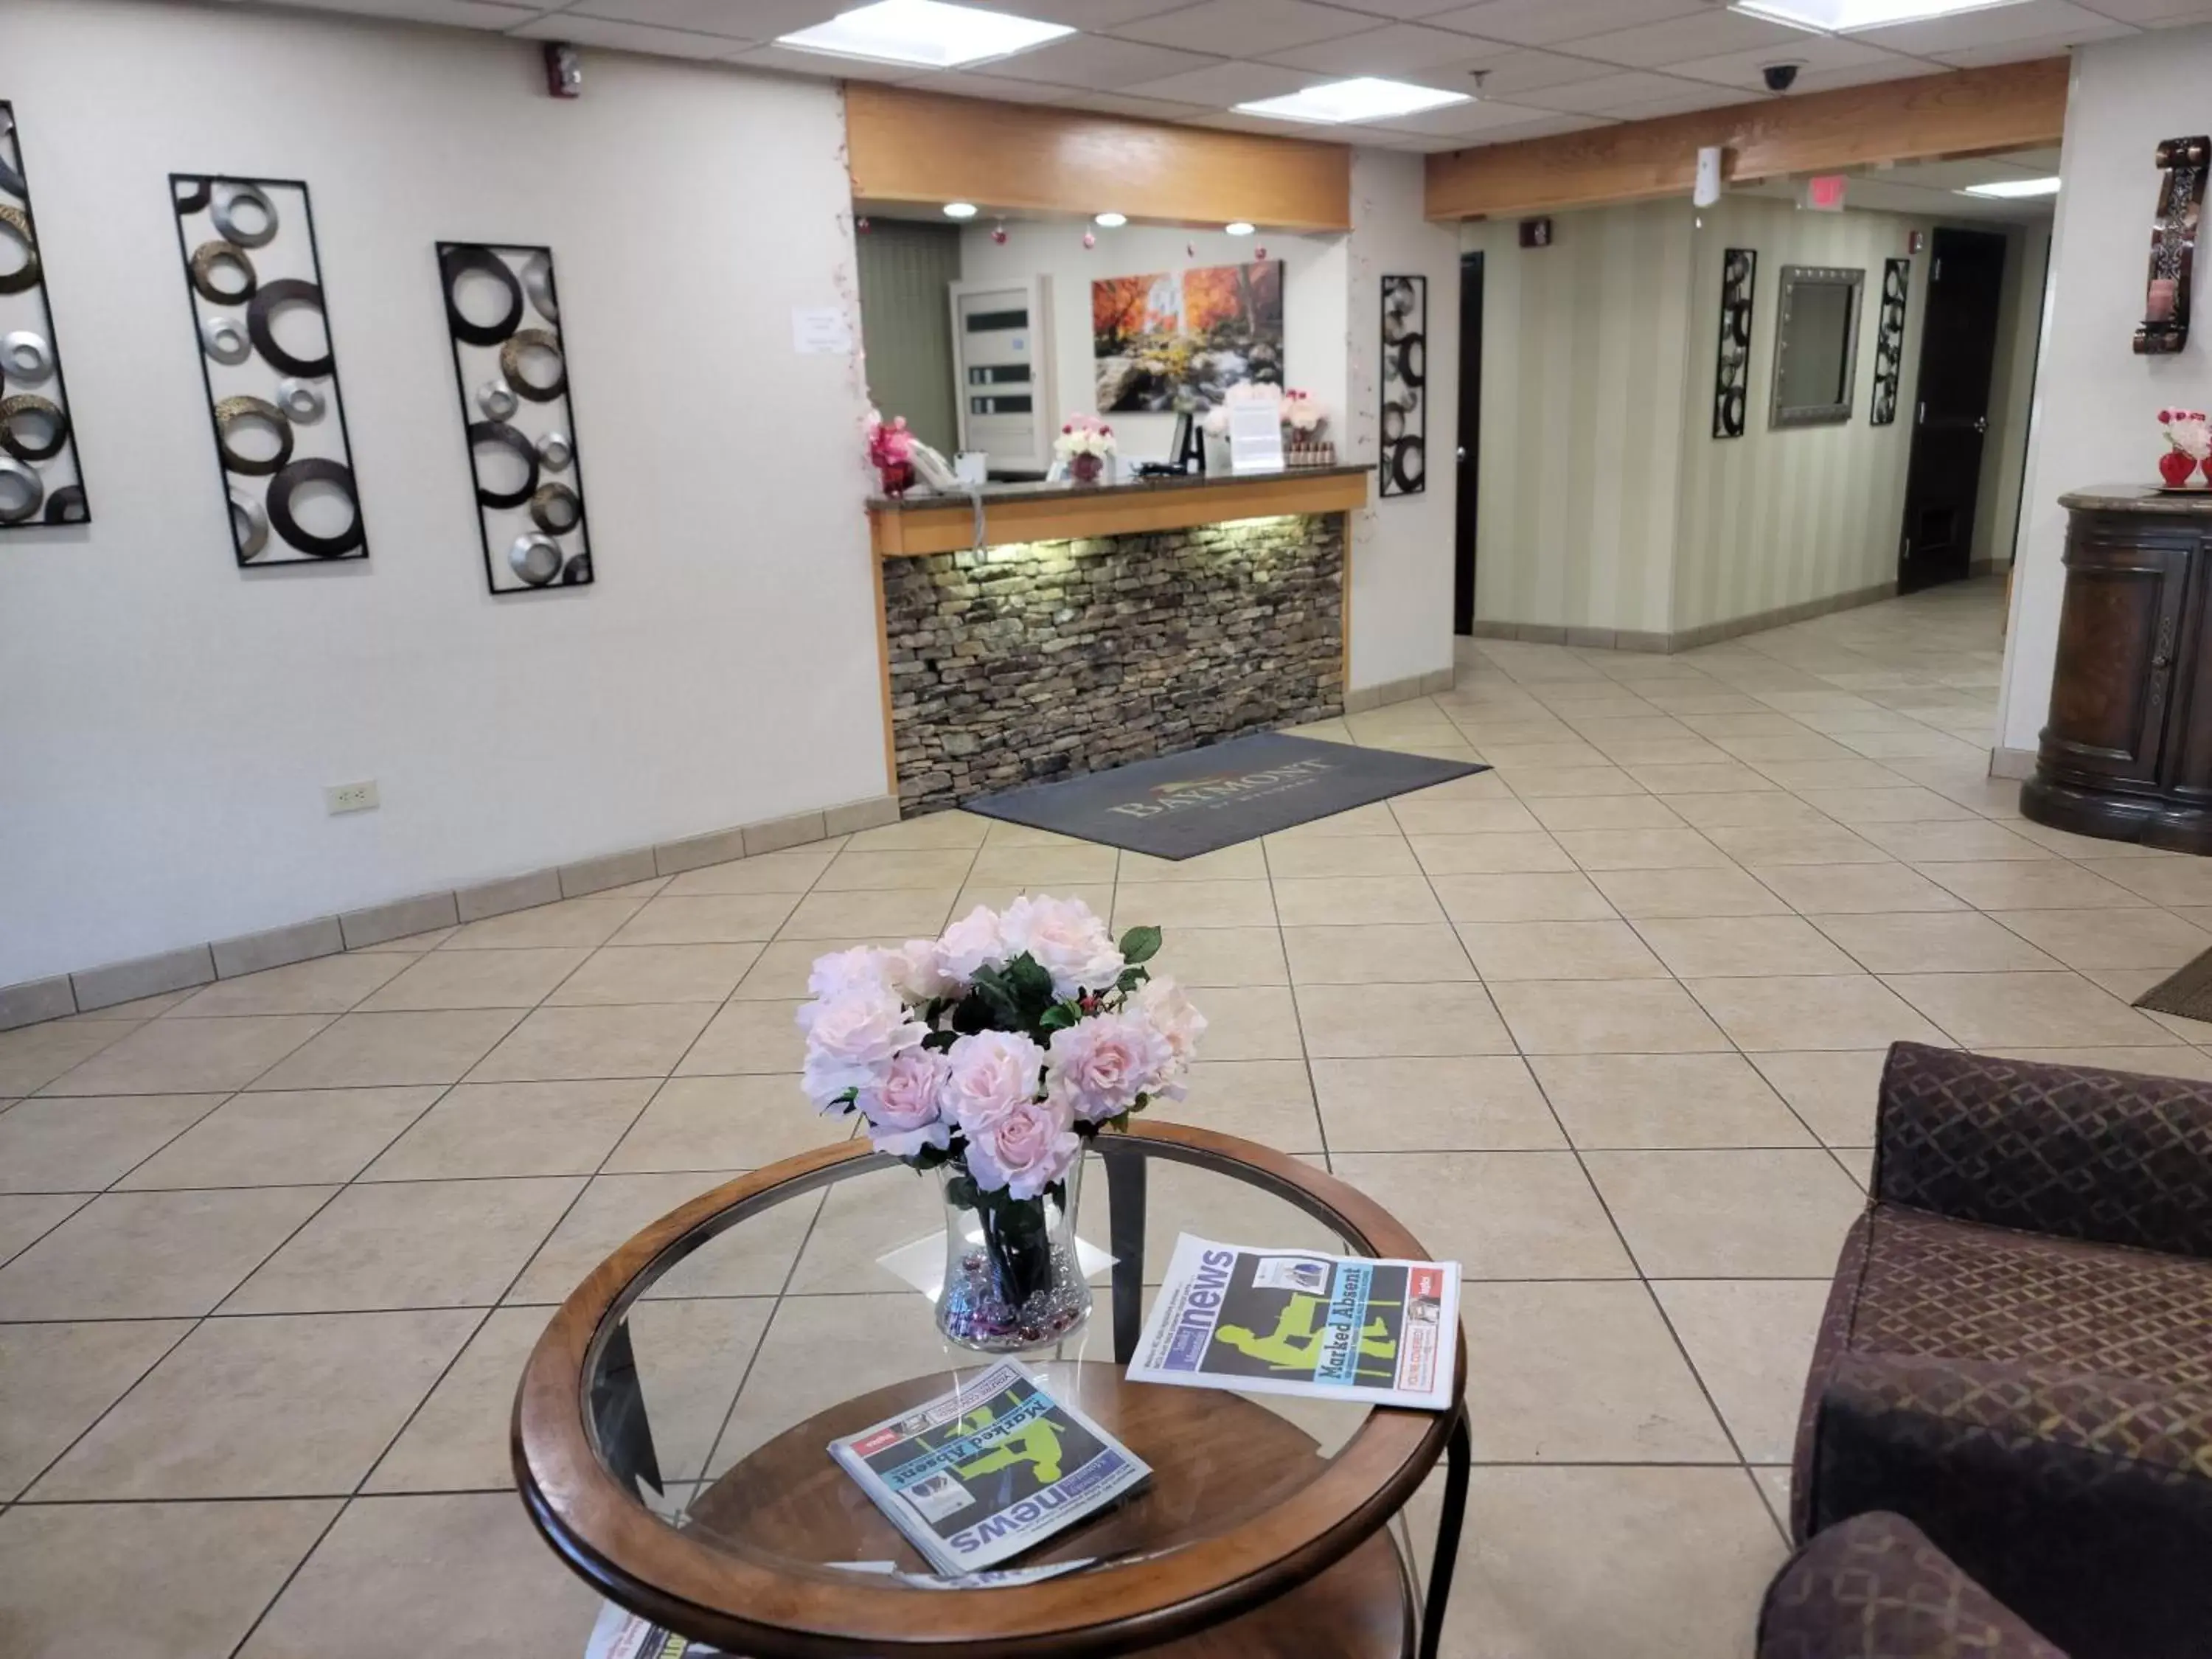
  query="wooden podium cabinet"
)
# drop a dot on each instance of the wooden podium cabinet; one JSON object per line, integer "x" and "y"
{"x": 2127, "y": 751}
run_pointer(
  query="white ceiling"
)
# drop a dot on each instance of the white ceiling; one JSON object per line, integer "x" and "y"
{"x": 1545, "y": 66}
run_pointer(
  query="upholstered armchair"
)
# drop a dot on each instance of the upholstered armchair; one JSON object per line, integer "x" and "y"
{"x": 1872, "y": 1587}
{"x": 2017, "y": 1352}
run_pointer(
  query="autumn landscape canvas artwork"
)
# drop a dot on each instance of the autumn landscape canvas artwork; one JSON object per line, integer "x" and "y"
{"x": 1179, "y": 340}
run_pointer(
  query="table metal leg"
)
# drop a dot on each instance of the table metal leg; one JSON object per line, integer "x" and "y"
{"x": 1459, "y": 1453}
{"x": 1125, "y": 1216}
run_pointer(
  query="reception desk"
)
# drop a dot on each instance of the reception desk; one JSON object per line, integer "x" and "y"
{"x": 1062, "y": 628}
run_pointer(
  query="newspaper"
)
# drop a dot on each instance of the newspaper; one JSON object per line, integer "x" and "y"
{"x": 1290, "y": 1322}
{"x": 621, "y": 1634}
{"x": 987, "y": 1469}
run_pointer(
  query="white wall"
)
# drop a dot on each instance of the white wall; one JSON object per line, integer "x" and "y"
{"x": 2096, "y": 401}
{"x": 1313, "y": 302}
{"x": 167, "y": 722}
{"x": 1402, "y": 545}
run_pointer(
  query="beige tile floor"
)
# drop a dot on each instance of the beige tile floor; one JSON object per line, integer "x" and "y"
{"x": 1603, "y": 1024}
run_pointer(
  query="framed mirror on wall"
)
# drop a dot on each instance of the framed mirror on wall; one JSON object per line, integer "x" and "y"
{"x": 1816, "y": 345}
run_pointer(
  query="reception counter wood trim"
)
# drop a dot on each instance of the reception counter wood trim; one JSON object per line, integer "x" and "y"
{"x": 2127, "y": 753}
{"x": 921, "y": 524}
{"x": 905, "y": 147}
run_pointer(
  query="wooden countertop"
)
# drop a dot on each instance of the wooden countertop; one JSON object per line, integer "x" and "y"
{"x": 2139, "y": 498}
{"x": 917, "y": 525}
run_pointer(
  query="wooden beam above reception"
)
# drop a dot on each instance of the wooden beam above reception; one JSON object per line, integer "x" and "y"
{"x": 1974, "y": 111}
{"x": 917, "y": 526}
{"x": 908, "y": 148}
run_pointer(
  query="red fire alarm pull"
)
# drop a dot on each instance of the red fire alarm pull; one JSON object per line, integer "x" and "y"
{"x": 2165, "y": 326}
{"x": 1536, "y": 232}
{"x": 1823, "y": 192}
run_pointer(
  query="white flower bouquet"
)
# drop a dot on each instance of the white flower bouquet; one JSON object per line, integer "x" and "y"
{"x": 991, "y": 1055}
{"x": 1084, "y": 435}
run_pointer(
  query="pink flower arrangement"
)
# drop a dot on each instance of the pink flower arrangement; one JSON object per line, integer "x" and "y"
{"x": 1084, "y": 434}
{"x": 1303, "y": 415}
{"x": 2188, "y": 431}
{"x": 1002, "y": 1045}
{"x": 889, "y": 443}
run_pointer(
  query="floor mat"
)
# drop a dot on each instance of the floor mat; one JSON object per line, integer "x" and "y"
{"x": 2186, "y": 992}
{"x": 1181, "y": 806}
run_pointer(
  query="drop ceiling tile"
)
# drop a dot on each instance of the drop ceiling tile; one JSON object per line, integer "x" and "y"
{"x": 1808, "y": 51}
{"x": 2022, "y": 52}
{"x": 1548, "y": 22}
{"x": 1992, "y": 25}
{"x": 1142, "y": 109}
{"x": 1406, "y": 11}
{"x": 461, "y": 14}
{"x": 1097, "y": 62}
{"x": 1228, "y": 27}
{"x": 740, "y": 20}
{"x": 1096, "y": 16}
{"x": 1482, "y": 118}
{"x": 1399, "y": 49}
{"x": 1517, "y": 73}
{"x": 1221, "y": 84}
{"x": 1702, "y": 96}
{"x": 959, "y": 83}
{"x": 819, "y": 64}
{"x": 629, "y": 37}
{"x": 1604, "y": 93}
{"x": 2159, "y": 13}
{"x": 1702, "y": 34}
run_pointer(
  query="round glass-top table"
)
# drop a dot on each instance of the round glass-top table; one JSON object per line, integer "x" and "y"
{"x": 670, "y": 1430}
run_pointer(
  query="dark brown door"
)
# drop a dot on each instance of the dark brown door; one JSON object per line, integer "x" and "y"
{"x": 1951, "y": 415}
{"x": 1468, "y": 470}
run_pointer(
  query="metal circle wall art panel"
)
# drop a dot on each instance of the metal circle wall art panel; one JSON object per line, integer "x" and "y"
{"x": 1405, "y": 371}
{"x": 38, "y": 435}
{"x": 235, "y": 237}
{"x": 510, "y": 373}
{"x": 1732, "y": 356}
{"x": 1889, "y": 342}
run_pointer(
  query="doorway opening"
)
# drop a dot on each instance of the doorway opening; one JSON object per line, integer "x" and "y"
{"x": 1951, "y": 415}
{"x": 1467, "y": 471}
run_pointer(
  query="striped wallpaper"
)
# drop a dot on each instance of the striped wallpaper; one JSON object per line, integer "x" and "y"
{"x": 1606, "y": 503}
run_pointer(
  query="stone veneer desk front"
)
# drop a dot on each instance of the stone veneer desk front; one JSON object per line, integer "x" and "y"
{"x": 1098, "y": 625}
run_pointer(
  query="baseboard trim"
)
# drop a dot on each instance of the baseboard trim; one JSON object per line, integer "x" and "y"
{"x": 1690, "y": 639}
{"x": 58, "y": 995}
{"x": 1359, "y": 700}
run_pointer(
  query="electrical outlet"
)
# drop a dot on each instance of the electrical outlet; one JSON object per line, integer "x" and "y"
{"x": 349, "y": 797}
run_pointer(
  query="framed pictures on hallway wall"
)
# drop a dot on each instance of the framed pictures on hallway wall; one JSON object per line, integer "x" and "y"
{"x": 1732, "y": 356}
{"x": 40, "y": 481}
{"x": 1404, "y": 420}
{"x": 511, "y": 370}
{"x": 253, "y": 278}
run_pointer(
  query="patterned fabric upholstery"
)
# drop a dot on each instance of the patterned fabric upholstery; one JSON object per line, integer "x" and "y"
{"x": 2070, "y": 1149}
{"x": 1999, "y": 1364}
{"x": 1875, "y": 1587}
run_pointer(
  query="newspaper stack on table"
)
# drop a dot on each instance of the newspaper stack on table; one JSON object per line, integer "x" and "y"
{"x": 987, "y": 1469}
{"x": 1291, "y": 1321}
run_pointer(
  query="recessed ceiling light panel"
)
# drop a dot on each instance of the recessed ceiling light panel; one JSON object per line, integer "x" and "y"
{"x": 930, "y": 33}
{"x": 1363, "y": 99}
{"x": 1846, "y": 16}
{"x": 2013, "y": 189}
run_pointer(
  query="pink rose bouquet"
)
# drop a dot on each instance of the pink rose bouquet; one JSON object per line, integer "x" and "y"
{"x": 995, "y": 1051}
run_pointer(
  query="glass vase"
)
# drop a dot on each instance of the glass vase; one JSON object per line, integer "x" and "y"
{"x": 1012, "y": 1277}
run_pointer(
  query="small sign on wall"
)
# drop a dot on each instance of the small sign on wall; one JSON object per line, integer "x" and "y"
{"x": 1823, "y": 192}
{"x": 1536, "y": 232}
{"x": 820, "y": 331}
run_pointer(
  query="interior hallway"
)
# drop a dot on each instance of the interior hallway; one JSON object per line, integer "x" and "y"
{"x": 1603, "y": 1023}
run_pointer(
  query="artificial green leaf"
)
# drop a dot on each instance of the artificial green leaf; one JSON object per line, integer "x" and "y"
{"x": 1027, "y": 980}
{"x": 1060, "y": 1016}
{"x": 1140, "y": 945}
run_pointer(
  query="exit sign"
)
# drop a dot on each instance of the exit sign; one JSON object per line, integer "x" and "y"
{"x": 1823, "y": 192}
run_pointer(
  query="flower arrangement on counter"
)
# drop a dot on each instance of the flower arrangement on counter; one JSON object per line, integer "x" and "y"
{"x": 1085, "y": 442}
{"x": 1305, "y": 427}
{"x": 2189, "y": 446}
{"x": 890, "y": 451}
{"x": 1216, "y": 423}
{"x": 991, "y": 1055}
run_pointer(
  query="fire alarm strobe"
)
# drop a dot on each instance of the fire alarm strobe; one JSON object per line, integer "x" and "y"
{"x": 564, "y": 70}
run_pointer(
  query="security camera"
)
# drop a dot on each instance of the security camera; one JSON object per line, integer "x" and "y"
{"x": 1780, "y": 77}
